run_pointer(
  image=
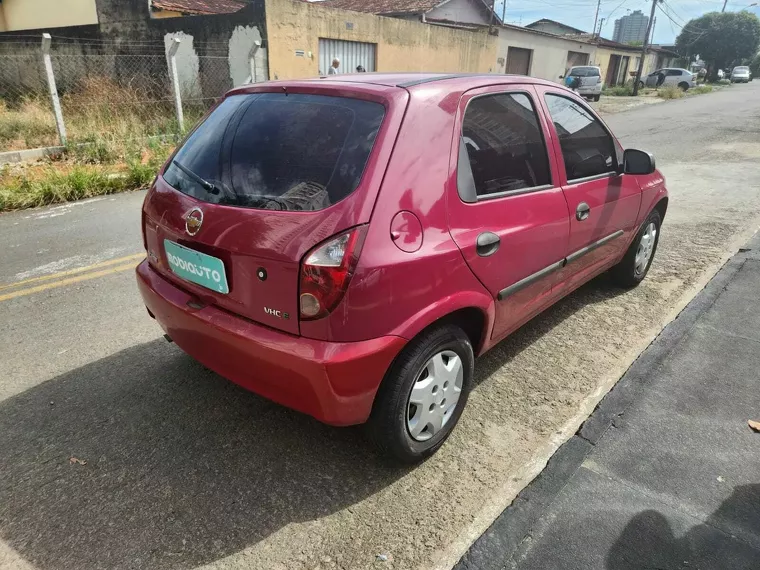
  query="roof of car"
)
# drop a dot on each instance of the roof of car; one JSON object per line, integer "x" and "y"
{"x": 407, "y": 80}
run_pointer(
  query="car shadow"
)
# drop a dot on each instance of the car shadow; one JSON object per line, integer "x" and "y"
{"x": 597, "y": 290}
{"x": 146, "y": 459}
{"x": 648, "y": 541}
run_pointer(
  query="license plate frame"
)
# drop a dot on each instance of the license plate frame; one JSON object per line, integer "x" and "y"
{"x": 196, "y": 267}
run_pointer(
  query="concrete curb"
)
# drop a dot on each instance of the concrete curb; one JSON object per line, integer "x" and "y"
{"x": 515, "y": 524}
{"x": 15, "y": 156}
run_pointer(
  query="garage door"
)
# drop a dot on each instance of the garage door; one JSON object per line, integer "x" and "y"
{"x": 350, "y": 54}
{"x": 518, "y": 61}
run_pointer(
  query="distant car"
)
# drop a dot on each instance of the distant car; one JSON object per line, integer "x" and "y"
{"x": 346, "y": 246}
{"x": 740, "y": 74}
{"x": 681, "y": 78}
{"x": 590, "y": 78}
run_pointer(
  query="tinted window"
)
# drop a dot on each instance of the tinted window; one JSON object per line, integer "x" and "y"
{"x": 504, "y": 144}
{"x": 278, "y": 152}
{"x": 674, "y": 72}
{"x": 584, "y": 72}
{"x": 586, "y": 147}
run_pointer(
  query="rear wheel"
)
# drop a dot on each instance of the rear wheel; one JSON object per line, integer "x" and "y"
{"x": 638, "y": 259}
{"x": 422, "y": 395}
{"x": 683, "y": 86}
{"x": 596, "y": 97}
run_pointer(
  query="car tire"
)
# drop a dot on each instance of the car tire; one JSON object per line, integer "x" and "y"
{"x": 392, "y": 421}
{"x": 683, "y": 86}
{"x": 597, "y": 97}
{"x": 631, "y": 271}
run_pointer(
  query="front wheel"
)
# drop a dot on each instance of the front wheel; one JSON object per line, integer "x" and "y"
{"x": 638, "y": 259}
{"x": 422, "y": 395}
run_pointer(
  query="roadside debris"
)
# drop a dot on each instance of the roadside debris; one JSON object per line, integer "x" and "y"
{"x": 78, "y": 461}
{"x": 754, "y": 425}
{"x": 382, "y": 557}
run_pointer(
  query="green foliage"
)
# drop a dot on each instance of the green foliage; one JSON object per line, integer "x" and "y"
{"x": 700, "y": 89}
{"x": 670, "y": 92}
{"x": 721, "y": 38}
{"x": 619, "y": 91}
{"x": 754, "y": 67}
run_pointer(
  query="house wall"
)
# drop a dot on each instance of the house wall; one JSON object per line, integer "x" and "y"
{"x": 549, "y": 59}
{"x": 127, "y": 44}
{"x": 402, "y": 45}
{"x": 33, "y": 14}
{"x": 461, "y": 11}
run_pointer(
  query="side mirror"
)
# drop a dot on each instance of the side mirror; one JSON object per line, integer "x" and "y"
{"x": 638, "y": 162}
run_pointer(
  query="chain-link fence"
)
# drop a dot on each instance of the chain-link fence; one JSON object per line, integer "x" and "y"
{"x": 106, "y": 91}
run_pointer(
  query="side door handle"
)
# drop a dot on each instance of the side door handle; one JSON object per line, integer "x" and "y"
{"x": 582, "y": 211}
{"x": 488, "y": 243}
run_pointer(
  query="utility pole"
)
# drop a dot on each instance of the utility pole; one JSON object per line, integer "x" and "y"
{"x": 724, "y": 5}
{"x": 504, "y": 12}
{"x": 601, "y": 25}
{"x": 644, "y": 49}
{"x": 596, "y": 16}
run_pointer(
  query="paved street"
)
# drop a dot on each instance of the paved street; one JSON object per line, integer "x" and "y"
{"x": 184, "y": 469}
{"x": 664, "y": 474}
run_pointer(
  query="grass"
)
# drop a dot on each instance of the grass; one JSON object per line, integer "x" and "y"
{"x": 619, "y": 91}
{"x": 700, "y": 89}
{"x": 80, "y": 172}
{"x": 670, "y": 92}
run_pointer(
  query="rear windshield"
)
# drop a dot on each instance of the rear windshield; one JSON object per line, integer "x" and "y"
{"x": 584, "y": 72}
{"x": 274, "y": 151}
{"x": 743, "y": 68}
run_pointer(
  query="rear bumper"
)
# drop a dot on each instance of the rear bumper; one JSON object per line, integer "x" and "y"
{"x": 593, "y": 90}
{"x": 334, "y": 382}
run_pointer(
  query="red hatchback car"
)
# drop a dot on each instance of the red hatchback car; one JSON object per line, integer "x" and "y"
{"x": 345, "y": 246}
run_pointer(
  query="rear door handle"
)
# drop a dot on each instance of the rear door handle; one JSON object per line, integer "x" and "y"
{"x": 488, "y": 243}
{"x": 582, "y": 211}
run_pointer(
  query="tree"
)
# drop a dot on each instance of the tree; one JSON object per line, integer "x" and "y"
{"x": 720, "y": 38}
{"x": 754, "y": 67}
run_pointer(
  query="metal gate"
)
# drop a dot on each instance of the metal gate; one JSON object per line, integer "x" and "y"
{"x": 350, "y": 54}
{"x": 575, "y": 58}
{"x": 518, "y": 61}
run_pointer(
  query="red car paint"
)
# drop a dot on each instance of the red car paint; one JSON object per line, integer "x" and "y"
{"x": 417, "y": 264}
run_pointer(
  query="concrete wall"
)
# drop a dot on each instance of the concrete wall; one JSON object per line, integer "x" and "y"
{"x": 127, "y": 44}
{"x": 462, "y": 11}
{"x": 402, "y": 45}
{"x": 549, "y": 59}
{"x": 33, "y": 14}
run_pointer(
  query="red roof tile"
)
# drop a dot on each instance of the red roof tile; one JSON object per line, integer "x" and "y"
{"x": 199, "y": 6}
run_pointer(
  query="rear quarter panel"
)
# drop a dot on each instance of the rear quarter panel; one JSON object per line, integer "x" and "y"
{"x": 394, "y": 292}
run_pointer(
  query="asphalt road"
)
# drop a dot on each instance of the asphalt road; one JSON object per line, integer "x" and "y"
{"x": 183, "y": 469}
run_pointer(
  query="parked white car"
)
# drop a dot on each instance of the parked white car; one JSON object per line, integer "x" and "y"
{"x": 681, "y": 78}
{"x": 740, "y": 74}
{"x": 590, "y": 77}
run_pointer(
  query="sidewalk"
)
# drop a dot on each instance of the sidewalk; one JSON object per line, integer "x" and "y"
{"x": 666, "y": 473}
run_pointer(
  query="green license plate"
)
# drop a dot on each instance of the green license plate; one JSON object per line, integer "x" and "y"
{"x": 197, "y": 267}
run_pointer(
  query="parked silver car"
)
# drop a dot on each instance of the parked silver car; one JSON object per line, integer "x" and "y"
{"x": 681, "y": 78}
{"x": 740, "y": 74}
{"x": 590, "y": 77}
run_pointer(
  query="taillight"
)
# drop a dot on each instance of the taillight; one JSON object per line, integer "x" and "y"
{"x": 145, "y": 237}
{"x": 326, "y": 272}
{"x": 599, "y": 79}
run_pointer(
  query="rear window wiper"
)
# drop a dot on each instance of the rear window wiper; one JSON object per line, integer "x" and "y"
{"x": 208, "y": 186}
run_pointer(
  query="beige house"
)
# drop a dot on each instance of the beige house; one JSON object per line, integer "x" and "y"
{"x": 304, "y": 38}
{"x": 16, "y": 15}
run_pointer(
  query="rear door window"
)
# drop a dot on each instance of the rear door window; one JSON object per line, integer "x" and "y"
{"x": 587, "y": 148}
{"x": 505, "y": 149}
{"x": 278, "y": 152}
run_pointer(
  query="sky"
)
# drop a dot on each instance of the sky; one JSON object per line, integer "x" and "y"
{"x": 580, "y": 13}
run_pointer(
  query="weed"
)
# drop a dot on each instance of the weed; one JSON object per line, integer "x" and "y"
{"x": 670, "y": 92}
{"x": 700, "y": 89}
{"x": 619, "y": 91}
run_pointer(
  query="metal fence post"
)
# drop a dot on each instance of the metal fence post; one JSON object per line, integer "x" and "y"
{"x": 174, "y": 76}
{"x": 252, "y": 59}
{"x": 46, "y": 41}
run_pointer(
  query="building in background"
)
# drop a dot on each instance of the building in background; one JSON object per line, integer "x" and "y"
{"x": 631, "y": 29}
{"x": 464, "y": 13}
{"x": 553, "y": 27}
